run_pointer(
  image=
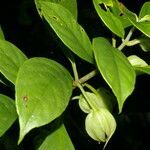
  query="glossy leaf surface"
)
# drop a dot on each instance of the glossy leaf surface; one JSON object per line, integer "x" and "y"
{"x": 145, "y": 10}
{"x": 68, "y": 30}
{"x": 57, "y": 140}
{"x": 7, "y": 113}
{"x": 141, "y": 24}
{"x": 137, "y": 61}
{"x": 142, "y": 70}
{"x": 115, "y": 69}
{"x": 11, "y": 58}
{"x": 43, "y": 90}
{"x": 109, "y": 19}
{"x": 145, "y": 43}
{"x": 71, "y": 5}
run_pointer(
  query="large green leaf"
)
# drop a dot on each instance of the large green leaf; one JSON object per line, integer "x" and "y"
{"x": 11, "y": 58}
{"x": 68, "y": 30}
{"x": 57, "y": 140}
{"x": 145, "y": 10}
{"x": 109, "y": 19}
{"x": 71, "y": 5}
{"x": 7, "y": 113}
{"x": 115, "y": 69}
{"x": 43, "y": 90}
{"x": 1, "y": 34}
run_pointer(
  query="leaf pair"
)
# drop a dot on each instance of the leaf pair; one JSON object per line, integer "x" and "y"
{"x": 117, "y": 17}
{"x": 43, "y": 89}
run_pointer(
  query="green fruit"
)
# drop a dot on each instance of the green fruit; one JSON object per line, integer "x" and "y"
{"x": 100, "y": 125}
{"x": 102, "y": 99}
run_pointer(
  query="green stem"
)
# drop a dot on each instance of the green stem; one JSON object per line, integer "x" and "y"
{"x": 88, "y": 76}
{"x": 74, "y": 67}
{"x": 123, "y": 44}
{"x": 86, "y": 97}
{"x": 85, "y": 78}
{"x": 76, "y": 77}
{"x": 91, "y": 88}
{"x": 113, "y": 42}
{"x": 133, "y": 42}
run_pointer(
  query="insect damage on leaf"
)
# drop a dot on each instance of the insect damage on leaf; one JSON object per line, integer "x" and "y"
{"x": 56, "y": 18}
{"x": 25, "y": 99}
{"x": 103, "y": 7}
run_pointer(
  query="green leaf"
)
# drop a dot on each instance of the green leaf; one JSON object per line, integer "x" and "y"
{"x": 1, "y": 34}
{"x": 43, "y": 90}
{"x": 137, "y": 61}
{"x": 142, "y": 70}
{"x": 57, "y": 140}
{"x": 140, "y": 66}
{"x": 7, "y": 113}
{"x": 141, "y": 24}
{"x": 116, "y": 9}
{"x": 145, "y": 10}
{"x": 68, "y": 30}
{"x": 144, "y": 43}
{"x": 11, "y": 58}
{"x": 2, "y": 82}
{"x": 115, "y": 69}
{"x": 109, "y": 19}
{"x": 71, "y": 5}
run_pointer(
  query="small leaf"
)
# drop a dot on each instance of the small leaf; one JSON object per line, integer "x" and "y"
{"x": 145, "y": 18}
{"x": 109, "y": 19}
{"x": 57, "y": 140}
{"x": 142, "y": 70}
{"x": 11, "y": 58}
{"x": 68, "y": 30}
{"x": 71, "y": 5}
{"x": 145, "y": 10}
{"x": 144, "y": 43}
{"x": 137, "y": 61}
{"x": 142, "y": 25}
{"x": 140, "y": 66}
{"x": 115, "y": 69}
{"x": 7, "y": 113}
{"x": 43, "y": 90}
{"x": 1, "y": 34}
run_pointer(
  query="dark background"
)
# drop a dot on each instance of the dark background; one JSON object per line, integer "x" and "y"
{"x": 23, "y": 27}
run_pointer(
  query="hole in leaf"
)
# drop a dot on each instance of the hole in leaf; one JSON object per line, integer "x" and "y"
{"x": 121, "y": 14}
{"x": 103, "y": 7}
{"x": 54, "y": 17}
